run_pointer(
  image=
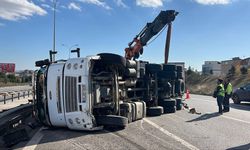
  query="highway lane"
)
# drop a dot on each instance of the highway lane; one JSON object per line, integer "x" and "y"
{"x": 181, "y": 130}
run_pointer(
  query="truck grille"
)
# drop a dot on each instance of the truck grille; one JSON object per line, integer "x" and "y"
{"x": 71, "y": 94}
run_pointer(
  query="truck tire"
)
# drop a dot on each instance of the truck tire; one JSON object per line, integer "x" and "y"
{"x": 154, "y": 111}
{"x": 180, "y": 75}
{"x": 171, "y": 75}
{"x": 112, "y": 120}
{"x": 167, "y": 102}
{"x": 178, "y": 104}
{"x": 169, "y": 67}
{"x": 179, "y": 68}
{"x": 179, "y": 87}
{"x": 182, "y": 87}
{"x": 111, "y": 59}
{"x": 236, "y": 99}
{"x": 168, "y": 110}
{"x": 153, "y": 68}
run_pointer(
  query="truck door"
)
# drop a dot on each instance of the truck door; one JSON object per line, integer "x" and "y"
{"x": 55, "y": 97}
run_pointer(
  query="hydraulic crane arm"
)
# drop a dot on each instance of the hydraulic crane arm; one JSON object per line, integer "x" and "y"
{"x": 151, "y": 29}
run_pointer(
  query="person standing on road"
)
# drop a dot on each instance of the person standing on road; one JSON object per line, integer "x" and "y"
{"x": 228, "y": 93}
{"x": 219, "y": 93}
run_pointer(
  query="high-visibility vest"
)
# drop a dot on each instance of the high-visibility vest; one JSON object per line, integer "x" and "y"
{"x": 221, "y": 92}
{"x": 229, "y": 89}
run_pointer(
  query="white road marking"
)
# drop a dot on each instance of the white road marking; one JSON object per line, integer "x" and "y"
{"x": 183, "y": 142}
{"x": 225, "y": 116}
{"x": 32, "y": 144}
{"x": 231, "y": 118}
{"x": 235, "y": 119}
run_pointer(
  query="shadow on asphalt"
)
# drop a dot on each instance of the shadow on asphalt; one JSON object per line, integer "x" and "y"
{"x": 205, "y": 117}
{"x": 62, "y": 134}
{"x": 241, "y": 106}
{"x": 242, "y": 147}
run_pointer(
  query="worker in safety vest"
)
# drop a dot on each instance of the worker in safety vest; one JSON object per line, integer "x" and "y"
{"x": 228, "y": 93}
{"x": 220, "y": 94}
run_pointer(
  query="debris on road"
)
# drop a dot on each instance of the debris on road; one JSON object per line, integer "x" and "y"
{"x": 190, "y": 110}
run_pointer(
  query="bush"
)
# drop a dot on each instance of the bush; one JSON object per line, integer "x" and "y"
{"x": 11, "y": 78}
{"x": 231, "y": 71}
{"x": 243, "y": 70}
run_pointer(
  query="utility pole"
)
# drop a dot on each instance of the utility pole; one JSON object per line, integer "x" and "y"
{"x": 54, "y": 30}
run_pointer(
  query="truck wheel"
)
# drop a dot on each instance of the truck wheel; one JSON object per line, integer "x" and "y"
{"x": 111, "y": 59}
{"x": 236, "y": 99}
{"x": 167, "y": 103}
{"x": 179, "y": 87}
{"x": 112, "y": 120}
{"x": 153, "y": 68}
{"x": 169, "y": 67}
{"x": 154, "y": 111}
{"x": 180, "y": 75}
{"x": 167, "y": 75}
{"x": 179, "y": 107}
{"x": 179, "y": 68}
{"x": 182, "y": 87}
{"x": 168, "y": 110}
{"x": 178, "y": 104}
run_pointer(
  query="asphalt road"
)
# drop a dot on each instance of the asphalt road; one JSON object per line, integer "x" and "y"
{"x": 181, "y": 130}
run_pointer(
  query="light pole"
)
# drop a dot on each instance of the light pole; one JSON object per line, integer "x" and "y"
{"x": 54, "y": 30}
{"x": 70, "y": 47}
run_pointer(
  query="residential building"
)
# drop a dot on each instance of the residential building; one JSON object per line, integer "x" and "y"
{"x": 222, "y": 68}
{"x": 211, "y": 68}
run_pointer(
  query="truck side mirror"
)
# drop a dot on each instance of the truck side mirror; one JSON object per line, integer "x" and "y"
{"x": 77, "y": 50}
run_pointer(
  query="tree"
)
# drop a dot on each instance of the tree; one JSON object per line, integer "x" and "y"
{"x": 231, "y": 71}
{"x": 190, "y": 71}
{"x": 2, "y": 75}
{"x": 243, "y": 70}
{"x": 11, "y": 77}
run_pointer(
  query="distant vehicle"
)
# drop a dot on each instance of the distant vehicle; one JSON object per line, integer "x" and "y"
{"x": 241, "y": 94}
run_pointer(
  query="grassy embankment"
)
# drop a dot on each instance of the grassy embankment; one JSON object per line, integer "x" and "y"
{"x": 205, "y": 85}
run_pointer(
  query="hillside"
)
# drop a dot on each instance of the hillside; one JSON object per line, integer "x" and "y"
{"x": 205, "y": 85}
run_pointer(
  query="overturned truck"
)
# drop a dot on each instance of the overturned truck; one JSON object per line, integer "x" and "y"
{"x": 106, "y": 89}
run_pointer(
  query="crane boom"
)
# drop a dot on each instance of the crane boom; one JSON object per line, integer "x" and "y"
{"x": 151, "y": 29}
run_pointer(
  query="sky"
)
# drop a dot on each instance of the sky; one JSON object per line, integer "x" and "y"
{"x": 204, "y": 29}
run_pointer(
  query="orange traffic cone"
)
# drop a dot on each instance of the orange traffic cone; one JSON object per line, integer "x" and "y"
{"x": 187, "y": 94}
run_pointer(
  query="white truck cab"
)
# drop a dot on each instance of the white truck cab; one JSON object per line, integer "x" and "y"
{"x": 68, "y": 94}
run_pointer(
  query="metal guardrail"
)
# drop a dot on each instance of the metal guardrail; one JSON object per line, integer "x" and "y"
{"x": 11, "y": 95}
